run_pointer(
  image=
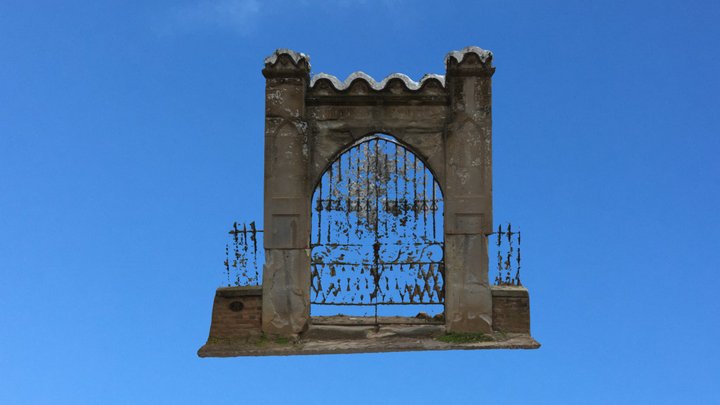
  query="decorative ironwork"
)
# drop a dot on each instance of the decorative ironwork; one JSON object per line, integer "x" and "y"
{"x": 244, "y": 255}
{"x": 507, "y": 246}
{"x": 377, "y": 229}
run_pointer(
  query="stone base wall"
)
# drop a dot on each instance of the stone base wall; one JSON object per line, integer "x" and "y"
{"x": 237, "y": 313}
{"x": 511, "y": 309}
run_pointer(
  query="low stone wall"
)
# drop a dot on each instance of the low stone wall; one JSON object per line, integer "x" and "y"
{"x": 237, "y": 313}
{"x": 511, "y": 309}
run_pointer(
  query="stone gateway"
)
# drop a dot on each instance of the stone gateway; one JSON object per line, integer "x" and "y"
{"x": 445, "y": 122}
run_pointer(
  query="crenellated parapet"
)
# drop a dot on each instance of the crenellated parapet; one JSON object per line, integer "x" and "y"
{"x": 361, "y": 88}
{"x": 362, "y": 83}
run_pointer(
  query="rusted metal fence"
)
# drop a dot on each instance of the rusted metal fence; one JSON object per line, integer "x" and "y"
{"x": 377, "y": 234}
{"x": 244, "y": 259}
{"x": 506, "y": 246}
{"x": 244, "y": 255}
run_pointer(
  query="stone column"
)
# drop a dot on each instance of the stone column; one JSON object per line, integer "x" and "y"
{"x": 468, "y": 191}
{"x": 286, "y": 275}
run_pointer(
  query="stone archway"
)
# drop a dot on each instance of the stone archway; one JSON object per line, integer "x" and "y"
{"x": 446, "y": 120}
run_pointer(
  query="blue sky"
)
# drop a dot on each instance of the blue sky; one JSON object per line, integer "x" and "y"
{"x": 131, "y": 137}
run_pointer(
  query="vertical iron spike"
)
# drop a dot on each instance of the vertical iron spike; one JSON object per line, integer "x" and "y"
{"x": 227, "y": 262}
{"x": 236, "y": 252}
{"x": 425, "y": 202}
{"x": 357, "y": 184}
{"x": 253, "y": 239}
{"x": 415, "y": 192}
{"x": 319, "y": 209}
{"x": 376, "y": 192}
{"x": 518, "y": 257}
{"x": 253, "y": 236}
{"x": 244, "y": 231}
{"x": 397, "y": 179}
{"x": 517, "y": 272}
{"x": 235, "y": 231}
{"x": 433, "y": 210}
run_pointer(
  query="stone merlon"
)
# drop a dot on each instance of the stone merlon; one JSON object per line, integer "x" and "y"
{"x": 295, "y": 56}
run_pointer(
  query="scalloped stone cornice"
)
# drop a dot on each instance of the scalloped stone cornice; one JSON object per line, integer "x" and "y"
{"x": 375, "y": 85}
{"x": 459, "y": 56}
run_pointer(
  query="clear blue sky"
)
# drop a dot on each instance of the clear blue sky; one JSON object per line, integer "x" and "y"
{"x": 131, "y": 136}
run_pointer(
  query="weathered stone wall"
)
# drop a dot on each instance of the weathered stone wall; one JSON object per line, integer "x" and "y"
{"x": 237, "y": 313}
{"x": 339, "y": 114}
{"x": 511, "y": 309}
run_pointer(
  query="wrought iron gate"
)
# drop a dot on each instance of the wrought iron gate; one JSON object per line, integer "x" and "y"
{"x": 377, "y": 229}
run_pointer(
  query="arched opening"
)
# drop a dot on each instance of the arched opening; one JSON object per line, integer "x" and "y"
{"x": 377, "y": 237}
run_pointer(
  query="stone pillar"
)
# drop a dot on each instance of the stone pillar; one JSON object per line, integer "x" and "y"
{"x": 286, "y": 275}
{"x": 468, "y": 191}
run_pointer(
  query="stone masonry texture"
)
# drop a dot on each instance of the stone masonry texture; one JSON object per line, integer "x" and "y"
{"x": 511, "y": 309}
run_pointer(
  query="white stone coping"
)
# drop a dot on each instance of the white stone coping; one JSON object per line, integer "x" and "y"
{"x": 375, "y": 85}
